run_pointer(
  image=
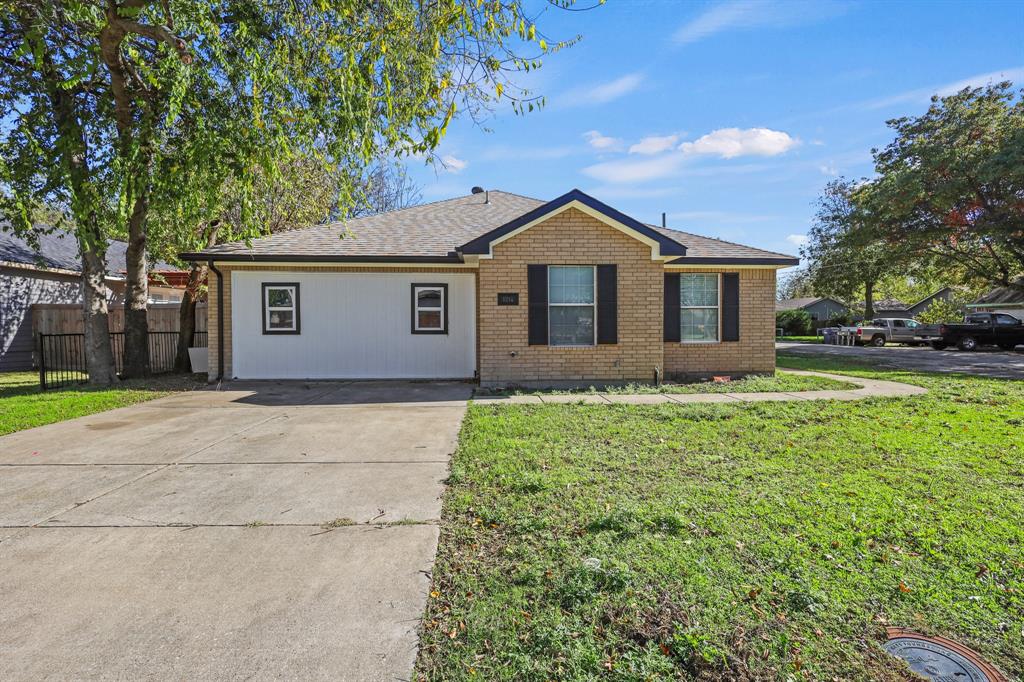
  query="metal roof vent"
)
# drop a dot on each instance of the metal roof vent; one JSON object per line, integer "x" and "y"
{"x": 477, "y": 190}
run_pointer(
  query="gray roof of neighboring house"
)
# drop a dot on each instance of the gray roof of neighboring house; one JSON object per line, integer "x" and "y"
{"x": 797, "y": 303}
{"x": 890, "y": 304}
{"x": 59, "y": 250}
{"x": 434, "y": 231}
{"x": 1003, "y": 295}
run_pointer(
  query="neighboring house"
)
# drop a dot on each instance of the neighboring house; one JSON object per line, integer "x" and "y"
{"x": 892, "y": 307}
{"x": 495, "y": 286}
{"x": 820, "y": 309}
{"x": 1009, "y": 300}
{"x": 52, "y": 274}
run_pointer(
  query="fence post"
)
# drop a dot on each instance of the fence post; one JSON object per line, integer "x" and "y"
{"x": 42, "y": 364}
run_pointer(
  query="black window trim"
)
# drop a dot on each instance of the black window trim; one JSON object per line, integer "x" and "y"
{"x": 264, "y": 305}
{"x": 444, "y": 308}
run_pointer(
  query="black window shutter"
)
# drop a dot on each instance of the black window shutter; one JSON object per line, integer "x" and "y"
{"x": 537, "y": 293}
{"x": 607, "y": 304}
{"x": 730, "y": 306}
{"x": 672, "y": 306}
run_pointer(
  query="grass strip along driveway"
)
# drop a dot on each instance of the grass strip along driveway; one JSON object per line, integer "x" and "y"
{"x": 24, "y": 406}
{"x": 782, "y": 382}
{"x": 731, "y": 541}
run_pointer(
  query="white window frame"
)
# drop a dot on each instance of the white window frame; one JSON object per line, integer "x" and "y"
{"x": 717, "y": 307}
{"x": 293, "y": 308}
{"x": 593, "y": 272}
{"x": 417, "y": 308}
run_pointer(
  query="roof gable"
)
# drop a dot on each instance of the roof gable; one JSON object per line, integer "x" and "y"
{"x": 661, "y": 245}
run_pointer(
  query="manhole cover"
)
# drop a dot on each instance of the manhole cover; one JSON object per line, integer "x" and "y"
{"x": 940, "y": 659}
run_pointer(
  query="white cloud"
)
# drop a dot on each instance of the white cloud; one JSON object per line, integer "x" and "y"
{"x": 452, "y": 164}
{"x": 627, "y": 171}
{"x": 654, "y": 144}
{"x": 751, "y": 14}
{"x": 729, "y": 143}
{"x": 1015, "y": 74}
{"x": 602, "y": 92}
{"x": 829, "y": 169}
{"x": 602, "y": 142}
{"x": 796, "y": 239}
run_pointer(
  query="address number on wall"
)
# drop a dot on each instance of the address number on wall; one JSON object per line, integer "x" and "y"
{"x": 508, "y": 299}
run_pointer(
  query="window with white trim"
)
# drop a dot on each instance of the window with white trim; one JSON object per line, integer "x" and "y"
{"x": 572, "y": 309}
{"x": 699, "y": 303}
{"x": 280, "y": 308}
{"x": 429, "y": 308}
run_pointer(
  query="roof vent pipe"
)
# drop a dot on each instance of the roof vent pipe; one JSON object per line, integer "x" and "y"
{"x": 663, "y": 224}
{"x": 487, "y": 197}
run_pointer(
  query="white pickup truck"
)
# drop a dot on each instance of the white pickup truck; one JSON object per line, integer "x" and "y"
{"x": 881, "y": 331}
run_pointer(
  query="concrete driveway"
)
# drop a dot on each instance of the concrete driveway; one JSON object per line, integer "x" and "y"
{"x": 986, "y": 362}
{"x": 270, "y": 530}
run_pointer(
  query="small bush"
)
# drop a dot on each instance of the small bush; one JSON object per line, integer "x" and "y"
{"x": 795, "y": 322}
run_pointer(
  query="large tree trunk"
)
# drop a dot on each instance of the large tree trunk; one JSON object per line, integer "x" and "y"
{"x": 136, "y": 322}
{"x": 99, "y": 359}
{"x": 869, "y": 300}
{"x": 187, "y": 316}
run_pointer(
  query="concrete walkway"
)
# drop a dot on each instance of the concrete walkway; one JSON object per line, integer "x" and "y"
{"x": 869, "y": 388}
{"x": 270, "y": 530}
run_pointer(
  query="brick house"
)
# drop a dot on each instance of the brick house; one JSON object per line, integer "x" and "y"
{"x": 493, "y": 286}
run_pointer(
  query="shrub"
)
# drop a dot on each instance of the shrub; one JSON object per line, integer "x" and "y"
{"x": 941, "y": 311}
{"x": 795, "y": 322}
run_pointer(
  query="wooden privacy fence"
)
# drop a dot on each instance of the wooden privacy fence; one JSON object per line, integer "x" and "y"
{"x": 60, "y": 318}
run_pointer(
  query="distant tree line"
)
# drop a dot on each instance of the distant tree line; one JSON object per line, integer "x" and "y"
{"x": 945, "y": 207}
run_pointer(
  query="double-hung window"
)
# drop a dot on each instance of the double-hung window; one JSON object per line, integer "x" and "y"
{"x": 281, "y": 308}
{"x": 429, "y": 308}
{"x": 572, "y": 311}
{"x": 699, "y": 305}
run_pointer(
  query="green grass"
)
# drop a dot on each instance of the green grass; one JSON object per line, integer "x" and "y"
{"x": 762, "y": 541}
{"x": 781, "y": 382}
{"x": 23, "y": 405}
{"x": 800, "y": 339}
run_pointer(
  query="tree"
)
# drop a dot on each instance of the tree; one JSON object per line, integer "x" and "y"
{"x": 950, "y": 185}
{"x": 845, "y": 257}
{"x": 123, "y": 88}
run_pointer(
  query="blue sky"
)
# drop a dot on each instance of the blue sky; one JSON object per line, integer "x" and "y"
{"x": 728, "y": 116}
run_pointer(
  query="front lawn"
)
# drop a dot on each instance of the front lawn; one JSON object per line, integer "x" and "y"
{"x": 23, "y": 405}
{"x": 781, "y": 382}
{"x": 761, "y": 541}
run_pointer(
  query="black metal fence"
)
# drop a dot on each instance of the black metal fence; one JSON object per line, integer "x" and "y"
{"x": 62, "y": 356}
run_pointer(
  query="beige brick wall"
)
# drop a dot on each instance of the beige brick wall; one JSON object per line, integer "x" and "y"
{"x": 753, "y": 353}
{"x": 570, "y": 238}
{"x": 227, "y": 269}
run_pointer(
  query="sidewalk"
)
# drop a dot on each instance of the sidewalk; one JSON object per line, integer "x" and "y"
{"x": 869, "y": 388}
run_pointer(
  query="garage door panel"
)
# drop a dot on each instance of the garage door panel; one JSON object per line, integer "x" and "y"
{"x": 353, "y": 326}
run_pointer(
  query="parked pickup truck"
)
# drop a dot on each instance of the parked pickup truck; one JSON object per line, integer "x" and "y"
{"x": 977, "y": 329}
{"x": 882, "y": 331}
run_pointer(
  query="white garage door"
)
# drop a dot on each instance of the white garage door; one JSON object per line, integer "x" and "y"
{"x": 353, "y": 326}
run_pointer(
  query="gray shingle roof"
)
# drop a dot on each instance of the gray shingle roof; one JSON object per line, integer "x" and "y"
{"x": 59, "y": 250}
{"x": 796, "y": 303}
{"x": 434, "y": 231}
{"x": 1003, "y": 295}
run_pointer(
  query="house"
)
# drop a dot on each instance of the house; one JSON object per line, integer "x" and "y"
{"x": 1009, "y": 300}
{"x": 892, "y": 307}
{"x": 496, "y": 286}
{"x": 52, "y": 274}
{"x": 820, "y": 309}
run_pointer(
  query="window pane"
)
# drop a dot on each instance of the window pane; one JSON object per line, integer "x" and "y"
{"x": 280, "y": 298}
{"x": 699, "y": 324}
{"x": 428, "y": 298}
{"x": 698, "y": 289}
{"x": 281, "y": 319}
{"x": 428, "y": 319}
{"x": 571, "y": 325}
{"x": 571, "y": 284}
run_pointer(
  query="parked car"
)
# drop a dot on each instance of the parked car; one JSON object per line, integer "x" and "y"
{"x": 977, "y": 329}
{"x": 884, "y": 330}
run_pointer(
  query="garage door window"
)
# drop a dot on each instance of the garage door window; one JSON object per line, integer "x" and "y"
{"x": 280, "y": 308}
{"x": 429, "y": 308}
